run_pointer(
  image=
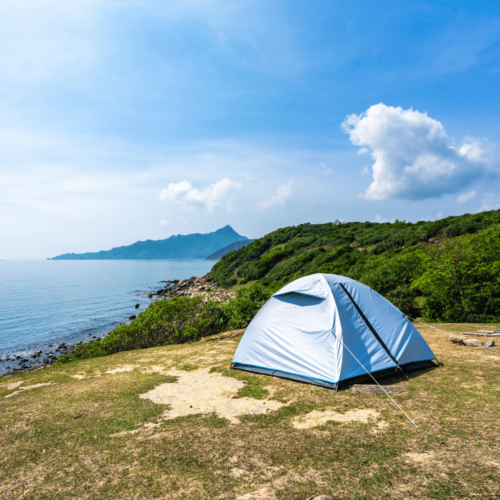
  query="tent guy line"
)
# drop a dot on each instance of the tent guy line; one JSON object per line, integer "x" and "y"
{"x": 386, "y": 393}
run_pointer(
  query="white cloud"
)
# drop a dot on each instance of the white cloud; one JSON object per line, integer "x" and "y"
{"x": 466, "y": 197}
{"x": 490, "y": 202}
{"x": 363, "y": 151}
{"x": 164, "y": 223}
{"x": 325, "y": 168}
{"x": 414, "y": 157}
{"x": 279, "y": 199}
{"x": 210, "y": 198}
{"x": 365, "y": 170}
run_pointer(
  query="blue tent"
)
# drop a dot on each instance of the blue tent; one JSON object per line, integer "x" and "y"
{"x": 331, "y": 331}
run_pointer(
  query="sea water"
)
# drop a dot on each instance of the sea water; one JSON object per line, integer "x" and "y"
{"x": 46, "y": 302}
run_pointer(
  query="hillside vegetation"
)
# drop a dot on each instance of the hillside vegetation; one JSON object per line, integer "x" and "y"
{"x": 447, "y": 270}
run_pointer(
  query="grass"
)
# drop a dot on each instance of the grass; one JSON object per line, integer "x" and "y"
{"x": 56, "y": 441}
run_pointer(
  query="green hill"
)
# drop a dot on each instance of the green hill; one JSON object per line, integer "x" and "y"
{"x": 447, "y": 270}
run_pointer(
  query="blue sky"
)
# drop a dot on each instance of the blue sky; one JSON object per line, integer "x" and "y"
{"x": 125, "y": 120}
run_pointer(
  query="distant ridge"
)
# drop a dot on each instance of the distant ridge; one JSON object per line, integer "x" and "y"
{"x": 229, "y": 248}
{"x": 189, "y": 246}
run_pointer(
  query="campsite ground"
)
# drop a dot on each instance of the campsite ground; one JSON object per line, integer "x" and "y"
{"x": 81, "y": 430}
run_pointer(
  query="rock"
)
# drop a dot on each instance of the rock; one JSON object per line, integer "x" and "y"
{"x": 456, "y": 340}
{"x": 490, "y": 343}
{"x": 375, "y": 389}
{"x": 320, "y": 497}
{"x": 132, "y": 317}
{"x": 137, "y": 306}
{"x": 431, "y": 240}
{"x": 472, "y": 343}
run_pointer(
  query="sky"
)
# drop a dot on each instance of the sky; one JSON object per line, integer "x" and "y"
{"x": 127, "y": 120}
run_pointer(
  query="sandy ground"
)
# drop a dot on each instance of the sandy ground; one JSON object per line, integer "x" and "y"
{"x": 316, "y": 418}
{"x": 202, "y": 392}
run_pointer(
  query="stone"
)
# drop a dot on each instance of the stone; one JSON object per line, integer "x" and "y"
{"x": 472, "y": 343}
{"x": 432, "y": 240}
{"x": 137, "y": 306}
{"x": 320, "y": 497}
{"x": 132, "y": 317}
{"x": 456, "y": 340}
{"x": 375, "y": 389}
{"x": 490, "y": 343}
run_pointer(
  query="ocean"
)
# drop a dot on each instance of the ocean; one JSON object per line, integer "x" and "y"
{"x": 44, "y": 302}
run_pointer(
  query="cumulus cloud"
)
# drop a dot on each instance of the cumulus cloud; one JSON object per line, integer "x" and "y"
{"x": 210, "y": 198}
{"x": 279, "y": 199}
{"x": 414, "y": 158}
{"x": 464, "y": 197}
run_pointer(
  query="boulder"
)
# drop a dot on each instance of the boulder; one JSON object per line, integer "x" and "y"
{"x": 490, "y": 343}
{"x": 456, "y": 340}
{"x": 472, "y": 343}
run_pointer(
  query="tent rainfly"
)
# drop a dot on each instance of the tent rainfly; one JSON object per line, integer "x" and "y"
{"x": 330, "y": 331}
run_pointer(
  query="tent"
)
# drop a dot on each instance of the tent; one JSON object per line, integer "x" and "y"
{"x": 331, "y": 331}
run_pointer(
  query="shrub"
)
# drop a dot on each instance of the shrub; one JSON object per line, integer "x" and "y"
{"x": 393, "y": 281}
{"x": 172, "y": 321}
{"x": 462, "y": 279}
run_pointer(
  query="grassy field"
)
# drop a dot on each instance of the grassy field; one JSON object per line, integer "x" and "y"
{"x": 87, "y": 433}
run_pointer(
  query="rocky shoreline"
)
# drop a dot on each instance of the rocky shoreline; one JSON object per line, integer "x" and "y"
{"x": 203, "y": 286}
{"x": 42, "y": 358}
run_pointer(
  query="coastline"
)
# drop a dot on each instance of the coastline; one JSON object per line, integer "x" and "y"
{"x": 45, "y": 355}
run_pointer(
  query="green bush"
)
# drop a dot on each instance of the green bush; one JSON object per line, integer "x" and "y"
{"x": 461, "y": 282}
{"x": 393, "y": 280}
{"x": 241, "y": 310}
{"x": 174, "y": 321}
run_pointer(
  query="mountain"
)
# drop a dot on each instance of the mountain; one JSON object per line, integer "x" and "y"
{"x": 190, "y": 246}
{"x": 229, "y": 248}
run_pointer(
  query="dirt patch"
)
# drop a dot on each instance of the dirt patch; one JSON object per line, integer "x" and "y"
{"x": 26, "y": 388}
{"x": 265, "y": 493}
{"x": 421, "y": 458}
{"x": 123, "y": 368}
{"x": 315, "y": 418}
{"x": 202, "y": 392}
{"x": 10, "y": 387}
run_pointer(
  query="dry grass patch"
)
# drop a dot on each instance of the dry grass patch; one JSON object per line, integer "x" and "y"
{"x": 96, "y": 437}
